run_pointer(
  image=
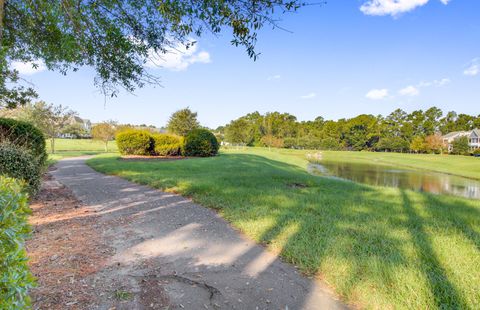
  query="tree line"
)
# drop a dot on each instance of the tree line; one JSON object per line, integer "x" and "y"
{"x": 418, "y": 131}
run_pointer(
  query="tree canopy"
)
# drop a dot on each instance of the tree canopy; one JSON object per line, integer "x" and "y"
{"x": 116, "y": 38}
{"x": 418, "y": 131}
{"x": 182, "y": 122}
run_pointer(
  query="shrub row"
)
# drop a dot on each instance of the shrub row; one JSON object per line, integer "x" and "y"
{"x": 22, "y": 152}
{"x": 198, "y": 142}
{"x": 24, "y": 135}
{"x": 15, "y": 277}
{"x": 20, "y": 164}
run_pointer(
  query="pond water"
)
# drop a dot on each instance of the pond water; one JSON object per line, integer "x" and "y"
{"x": 418, "y": 180}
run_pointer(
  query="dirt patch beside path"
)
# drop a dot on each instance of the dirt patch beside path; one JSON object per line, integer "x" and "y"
{"x": 70, "y": 257}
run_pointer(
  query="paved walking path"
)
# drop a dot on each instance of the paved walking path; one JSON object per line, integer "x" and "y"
{"x": 198, "y": 260}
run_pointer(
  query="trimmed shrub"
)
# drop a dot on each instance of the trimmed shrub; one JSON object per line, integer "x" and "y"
{"x": 18, "y": 163}
{"x": 15, "y": 277}
{"x": 135, "y": 142}
{"x": 200, "y": 142}
{"x": 476, "y": 152}
{"x": 23, "y": 134}
{"x": 168, "y": 145}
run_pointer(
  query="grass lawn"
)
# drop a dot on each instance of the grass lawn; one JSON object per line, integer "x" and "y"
{"x": 377, "y": 247}
{"x": 77, "y": 147}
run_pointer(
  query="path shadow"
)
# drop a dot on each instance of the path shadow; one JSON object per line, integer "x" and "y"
{"x": 355, "y": 236}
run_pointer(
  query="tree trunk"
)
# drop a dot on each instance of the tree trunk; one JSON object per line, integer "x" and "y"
{"x": 106, "y": 146}
{"x": 52, "y": 143}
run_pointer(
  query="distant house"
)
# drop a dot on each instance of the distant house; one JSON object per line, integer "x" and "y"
{"x": 472, "y": 135}
{"x": 85, "y": 124}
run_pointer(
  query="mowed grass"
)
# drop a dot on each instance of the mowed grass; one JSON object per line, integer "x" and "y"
{"x": 377, "y": 247}
{"x": 77, "y": 147}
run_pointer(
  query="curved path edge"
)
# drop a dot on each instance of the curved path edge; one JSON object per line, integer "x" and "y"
{"x": 197, "y": 259}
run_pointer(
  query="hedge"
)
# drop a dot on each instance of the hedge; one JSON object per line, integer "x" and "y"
{"x": 200, "y": 142}
{"x": 167, "y": 145}
{"x": 25, "y": 135}
{"x": 15, "y": 277}
{"x": 18, "y": 163}
{"x": 135, "y": 142}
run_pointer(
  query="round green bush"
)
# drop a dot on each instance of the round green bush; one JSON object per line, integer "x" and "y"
{"x": 20, "y": 164}
{"x": 168, "y": 145}
{"x": 200, "y": 142}
{"x": 24, "y": 135}
{"x": 135, "y": 142}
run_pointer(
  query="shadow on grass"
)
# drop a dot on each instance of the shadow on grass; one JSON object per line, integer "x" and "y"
{"x": 445, "y": 294}
{"x": 359, "y": 238}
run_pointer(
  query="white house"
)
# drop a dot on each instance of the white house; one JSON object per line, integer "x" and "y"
{"x": 473, "y": 138}
{"x": 82, "y": 123}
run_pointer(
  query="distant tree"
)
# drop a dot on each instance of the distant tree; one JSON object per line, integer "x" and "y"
{"x": 476, "y": 122}
{"x": 182, "y": 122}
{"x": 434, "y": 144}
{"x": 239, "y": 131}
{"x": 271, "y": 141}
{"x": 360, "y": 132}
{"x": 392, "y": 144}
{"x": 448, "y": 123}
{"x": 104, "y": 132}
{"x": 418, "y": 145}
{"x": 460, "y": 146}
{"x": 431, "y": 124}
{"x": 465, "y": 122}
{"x": 50, "y": 119}
{"x": 330, "y": 143}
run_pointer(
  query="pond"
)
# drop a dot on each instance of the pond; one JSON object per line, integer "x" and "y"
{"x": 417, "y": 180}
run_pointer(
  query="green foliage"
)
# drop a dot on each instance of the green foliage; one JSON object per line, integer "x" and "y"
{"x": 117, "y": 37}
{"x": 330, "y": 144}
{"x": 394, "y": 132}
{"x": 476, "y": 152}
{"x": 201, "y": 143}
{"x": 15, "y": 278}
{"x": 18, "y": 163}
{"x": 239, "y": 132}
{"x": 135, "y": 142}
{"x": 168, "y": 145}
{"x": 104, "y": 132}
{"x": 460, "y": 146}
{"x": 392, "y": 144}
{"x": 182, "y": 122}
{"x": 25, "y": 135}
{"x": 418, "y": 145}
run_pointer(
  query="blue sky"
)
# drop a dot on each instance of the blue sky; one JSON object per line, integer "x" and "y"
{"x": 341, "y": 59}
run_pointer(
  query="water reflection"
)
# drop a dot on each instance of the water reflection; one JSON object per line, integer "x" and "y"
{"x": 423, "y": 181}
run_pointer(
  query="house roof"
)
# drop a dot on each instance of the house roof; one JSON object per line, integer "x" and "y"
{"x": 476, "y": 132}
{"x": 454, "y": 134}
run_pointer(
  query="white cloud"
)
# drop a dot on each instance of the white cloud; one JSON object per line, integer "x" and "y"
{"x": 436, "y": 83}
{"x": 392, "y": 7}
{"x": 473, "y": 68}
{"x": 178, "y": 58}
{"x": 410, "y": 91}
{"x": 28, "y": 68}
{"x": 377, "y": 94}
{"x": 274, "y": 77}
{"x": 309, "y": 96}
